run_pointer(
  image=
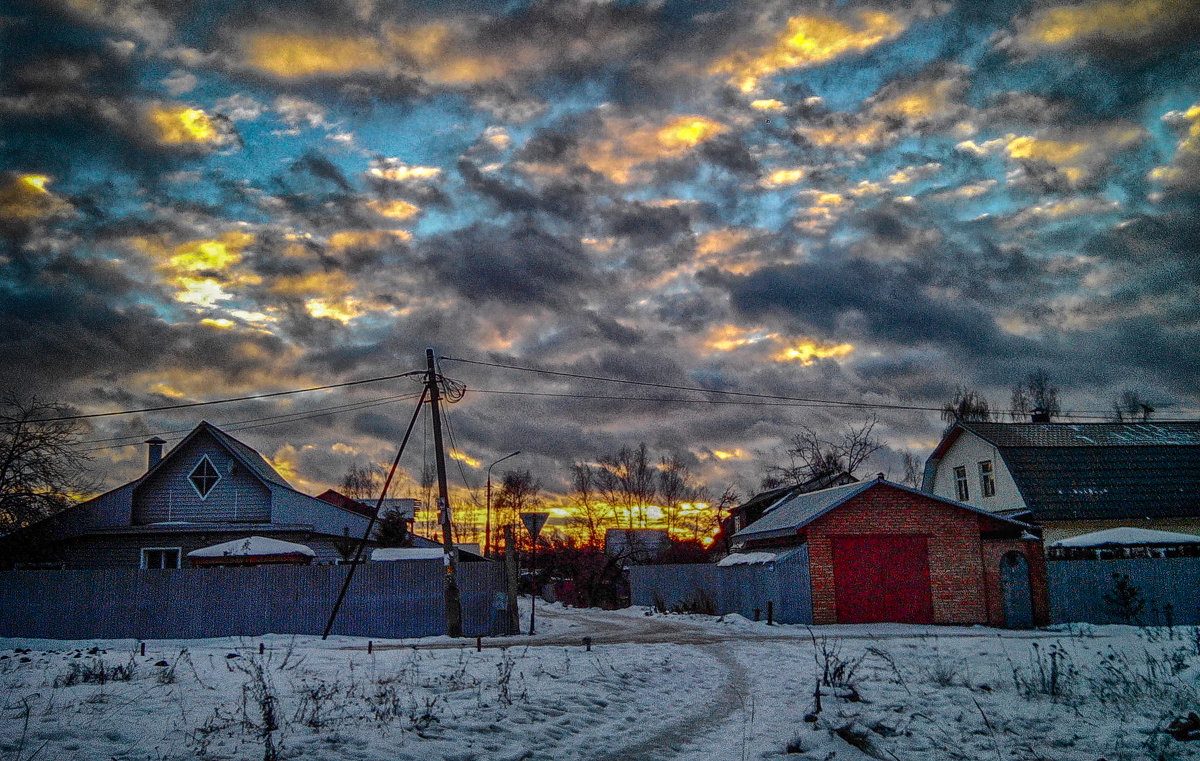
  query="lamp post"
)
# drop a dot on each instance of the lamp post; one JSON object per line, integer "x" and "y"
{"x": 487, "y": 529}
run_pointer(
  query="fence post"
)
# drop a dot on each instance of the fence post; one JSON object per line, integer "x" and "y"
{"x": 770, "y": 613}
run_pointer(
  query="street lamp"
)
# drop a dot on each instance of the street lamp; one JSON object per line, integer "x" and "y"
{"x": 487, "y": 530}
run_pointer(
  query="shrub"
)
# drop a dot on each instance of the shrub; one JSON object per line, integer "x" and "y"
{"x": 1125, "y": 602}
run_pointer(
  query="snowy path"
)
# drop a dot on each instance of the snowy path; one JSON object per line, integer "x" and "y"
{"x": 654, "y": 688}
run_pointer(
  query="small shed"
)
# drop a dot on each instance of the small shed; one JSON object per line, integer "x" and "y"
{"x": 879, "y": 551}
{"x": 252, "y": 550}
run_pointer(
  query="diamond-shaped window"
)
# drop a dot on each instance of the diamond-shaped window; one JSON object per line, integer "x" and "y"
{"x": 204, "y": 477}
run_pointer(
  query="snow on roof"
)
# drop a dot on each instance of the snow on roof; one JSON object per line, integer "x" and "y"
{"x": 747, "y": 558}
{"x": 1126, "y": 536}
{"x": 407, "y": 553}
{"x": 252, "y": 546}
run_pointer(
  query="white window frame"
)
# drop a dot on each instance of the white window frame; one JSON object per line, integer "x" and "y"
{"x": 178, "y": 557}
{"x": 962, "y": 489}
{"x": 211, "y": 464}
{"x": 987, "y": 478}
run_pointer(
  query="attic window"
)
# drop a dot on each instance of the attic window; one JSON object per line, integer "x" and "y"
{"x": 987, "y": 478}
{"x": 961, "y": 490}
{"x": 204, "y": 477}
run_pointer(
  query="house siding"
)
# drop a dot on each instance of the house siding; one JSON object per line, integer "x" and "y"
{"x": 168, "y": 495}
{"x": 107, "y": 551}
{"x": 968, "y": 451}
{"x": 956, "y": 571}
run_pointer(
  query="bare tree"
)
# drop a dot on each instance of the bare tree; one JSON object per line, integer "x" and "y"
{"x": 913, "y": 469}
{"x": 676, "y": 488}
{"x": 363, "y": 482}
{"x": 968, "y": 404}
{"x": 1037, "y": 393}
{"x": 811, "y": 457}
{"x": 1131, "y": 407}
{"x": 519, "y": 492}
{"x": 626, "y": 480}
{"x": 41, "y": 468}
{"x": 589, "y": 510}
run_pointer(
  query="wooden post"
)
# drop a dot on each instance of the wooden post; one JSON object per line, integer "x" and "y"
{"x": 770, "y": 613}
{"x": 453, "y": 601}
{"x": 512, "y": 577}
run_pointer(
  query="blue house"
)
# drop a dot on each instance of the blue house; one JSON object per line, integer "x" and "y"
{"x": 210, "y": 488}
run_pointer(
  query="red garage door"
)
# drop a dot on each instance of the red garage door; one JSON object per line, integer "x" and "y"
{"x": 881, "y": 578}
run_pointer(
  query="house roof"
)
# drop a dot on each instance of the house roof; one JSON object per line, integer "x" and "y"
{"x": 1127, "y": 536}
{"x": 1097, "y": 470}
{"x": 793, "y": 514}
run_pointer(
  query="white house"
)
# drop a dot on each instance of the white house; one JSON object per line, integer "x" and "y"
{"x": 1074, "y": 478}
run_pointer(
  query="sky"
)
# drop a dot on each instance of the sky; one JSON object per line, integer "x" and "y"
{"x": 848, "y": 201}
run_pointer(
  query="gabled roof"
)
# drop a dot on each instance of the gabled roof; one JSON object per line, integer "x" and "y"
{"x": 1095, "y": 471}
{"x": 798, "y": 511}
{"x": 256, "y": 546}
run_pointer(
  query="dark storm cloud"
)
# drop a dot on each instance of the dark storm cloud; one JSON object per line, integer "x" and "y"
{"x": 523, "y": 266}
{"x": 561, "y": 199}
{"x": 873, "y": 302}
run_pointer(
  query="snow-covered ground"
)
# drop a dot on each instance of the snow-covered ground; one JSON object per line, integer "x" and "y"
{"x": 652, "y": 687}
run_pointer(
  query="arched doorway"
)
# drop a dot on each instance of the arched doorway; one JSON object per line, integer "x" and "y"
{"x": 1015, "y": 591}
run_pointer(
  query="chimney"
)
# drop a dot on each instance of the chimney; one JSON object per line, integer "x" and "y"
{"x": 1041, "y": 415}
{"x": 154, "y": 452}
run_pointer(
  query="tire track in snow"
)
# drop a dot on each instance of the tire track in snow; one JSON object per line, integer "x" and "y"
{"x": 725, "y": 702}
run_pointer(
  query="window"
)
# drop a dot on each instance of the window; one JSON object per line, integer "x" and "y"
{"x": 987, "y": 479}
{"x": 960, "y": 484}
{"x": 204, "y": 477}
{"x": 158, "y": 558}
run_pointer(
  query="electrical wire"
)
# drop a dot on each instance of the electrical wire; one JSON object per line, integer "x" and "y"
{"x": 263, "y": 422}
{"x": 791, "y": 400}
{"x": 185, "y": 405}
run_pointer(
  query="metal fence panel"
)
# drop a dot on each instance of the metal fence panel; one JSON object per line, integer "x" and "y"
{"x": 391, "y": 600}
{"x": 742, "y": 589}
{"x": 1078, "y": 587}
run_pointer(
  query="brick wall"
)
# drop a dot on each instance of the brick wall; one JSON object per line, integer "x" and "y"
{"x": 956, "y": 562}
{"x": 993, "y": 552}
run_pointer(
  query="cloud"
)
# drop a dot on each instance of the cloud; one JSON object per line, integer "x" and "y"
{"x": 1107, "y": 24}
{"x": 627, "y": 145}
{"x": 808, "y": 41}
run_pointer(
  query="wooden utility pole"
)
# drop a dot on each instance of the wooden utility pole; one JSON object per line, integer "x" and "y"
{"x": 454, "y": 625}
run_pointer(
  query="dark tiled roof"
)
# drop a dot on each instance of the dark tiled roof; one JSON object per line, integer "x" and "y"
{"x": 1115, "y": 482}
{"x": 1091, "y": 435}
{"x": 1097, "y": 471}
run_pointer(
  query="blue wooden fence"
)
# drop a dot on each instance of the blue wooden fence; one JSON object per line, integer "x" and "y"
{"x": 741, "y": 589}
{"x": 1078, "y": 587}
{"x": 385, "y": 600}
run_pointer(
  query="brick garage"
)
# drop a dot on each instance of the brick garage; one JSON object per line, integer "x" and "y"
{"x": 879, "y": 551}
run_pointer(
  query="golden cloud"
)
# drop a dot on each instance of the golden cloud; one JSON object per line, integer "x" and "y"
{"x": 627, "y": 144}
{"x": 347, "y": 239}
{"x": 1076, "y": 156}
{"x": 1117, "y": 20}
{"x": 767, "y": 104}
{"x": 301, "y": 56}
{"x": 200, "y": 270}
{"x": 865, "y": 133}
{"x": 807, "y": 351}
{"x": 24, "y": 198}
{"x": 394, "y": 209}
{"x": 930, "y": 100}
{"x": 808, "y": 41}
{"x": 186, "y": 126}
{"x": 1182, "y": 170}
{"x": 781, "y": 177}
{"x": 465, "y": 458}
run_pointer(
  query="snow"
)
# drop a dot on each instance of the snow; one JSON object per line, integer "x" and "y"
{"x": 408, "y": 553}
{"x": 1126, "y": 536}
{"x": 747, "y": 558}
{"x": 252, "y": 545}
{"x": 653, "y": 686}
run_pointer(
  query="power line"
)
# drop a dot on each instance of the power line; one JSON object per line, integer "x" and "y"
{"x": 793, "y": 401}
{"x": 185, "y": 405}
{"x": 262, "y": 422}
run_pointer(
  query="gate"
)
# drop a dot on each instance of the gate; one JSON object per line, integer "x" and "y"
{"x": 1015, "y": 591}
